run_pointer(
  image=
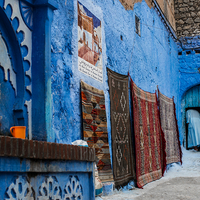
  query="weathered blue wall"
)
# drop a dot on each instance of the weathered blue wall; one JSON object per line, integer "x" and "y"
{"x": 30, "y": 176}
{"x": 189, "y": 74}
{"x": 189, "y": 77}
{"x": 153, "y": 62}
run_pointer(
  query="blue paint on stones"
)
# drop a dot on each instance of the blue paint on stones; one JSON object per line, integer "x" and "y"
{"x": 189, "y": 43}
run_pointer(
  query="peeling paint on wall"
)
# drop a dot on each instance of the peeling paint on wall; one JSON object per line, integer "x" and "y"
{"x": 167, "y": 7}
{"x": 129, "y": 4}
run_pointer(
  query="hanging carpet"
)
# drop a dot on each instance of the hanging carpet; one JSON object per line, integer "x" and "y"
{"x": 122, "y": 148}
{"x": 95, "y": 128}
{"x": 170, "y": 128}
{"x": 149, "y": 138}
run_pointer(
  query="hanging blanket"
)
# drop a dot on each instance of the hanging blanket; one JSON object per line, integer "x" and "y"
{"x": 170, "y": 128}
{"x": 122, "y": 148}
{"x": 149, "y": 138}
{"x": 95, "y": 128}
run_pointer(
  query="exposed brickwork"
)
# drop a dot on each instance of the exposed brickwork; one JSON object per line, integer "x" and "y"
{"x": 32, "y": 149}
{"x": 129, "y": 4}
{"x": 187, "y": 15}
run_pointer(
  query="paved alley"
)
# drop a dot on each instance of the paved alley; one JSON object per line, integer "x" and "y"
{"x": 179, "y": 182}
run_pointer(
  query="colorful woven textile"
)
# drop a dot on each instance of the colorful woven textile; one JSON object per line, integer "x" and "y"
{"x": 149, "y": 138}
{"x": 95, "y": 128}
{"x": 170, "y": 128}
{"x": 122, "y": 148}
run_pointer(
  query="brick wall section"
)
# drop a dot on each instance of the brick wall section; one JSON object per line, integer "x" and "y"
{"x": 32, "y": 149}
{"x": 187, "y": 15}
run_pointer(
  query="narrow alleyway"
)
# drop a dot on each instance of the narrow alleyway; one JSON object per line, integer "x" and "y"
{"x": 179, "y": 182}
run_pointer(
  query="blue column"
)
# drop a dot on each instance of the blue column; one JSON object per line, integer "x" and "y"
{"x": 41, "y": 71}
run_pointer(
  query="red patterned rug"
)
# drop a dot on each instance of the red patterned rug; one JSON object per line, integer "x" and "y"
{"x": 170, "y": 128}
{"x": 149, "y": 138}
{"x": 95, "y": 128}
{"x": 122, "y": 148}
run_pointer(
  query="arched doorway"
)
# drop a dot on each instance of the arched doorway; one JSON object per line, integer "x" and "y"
{"x": 11, "y": 78}
{"x": 190, "y": 101}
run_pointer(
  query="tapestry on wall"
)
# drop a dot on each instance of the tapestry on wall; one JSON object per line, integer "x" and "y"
{"x": 170, "y": 128}
{"x": 89, "y": 44}
{"x": 149, "y": 138}
{"x": 122, "y": 148}
{"x": 95, "y": 128}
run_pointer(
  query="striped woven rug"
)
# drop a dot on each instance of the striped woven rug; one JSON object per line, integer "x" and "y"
{"x": 95, "y": 128}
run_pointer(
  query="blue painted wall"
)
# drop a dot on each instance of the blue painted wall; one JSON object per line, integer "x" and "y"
{"x": 19, "y": 174}
{"x": 30, "y": 54}
{"x": 189, "y": 74}
{"x": 77, "y": 176}
{"x": 154, "y": 60}
{"x": 189, "y": 77}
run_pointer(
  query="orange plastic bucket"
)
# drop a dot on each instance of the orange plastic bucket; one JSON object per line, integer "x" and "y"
{"x": 18, "y": 131}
